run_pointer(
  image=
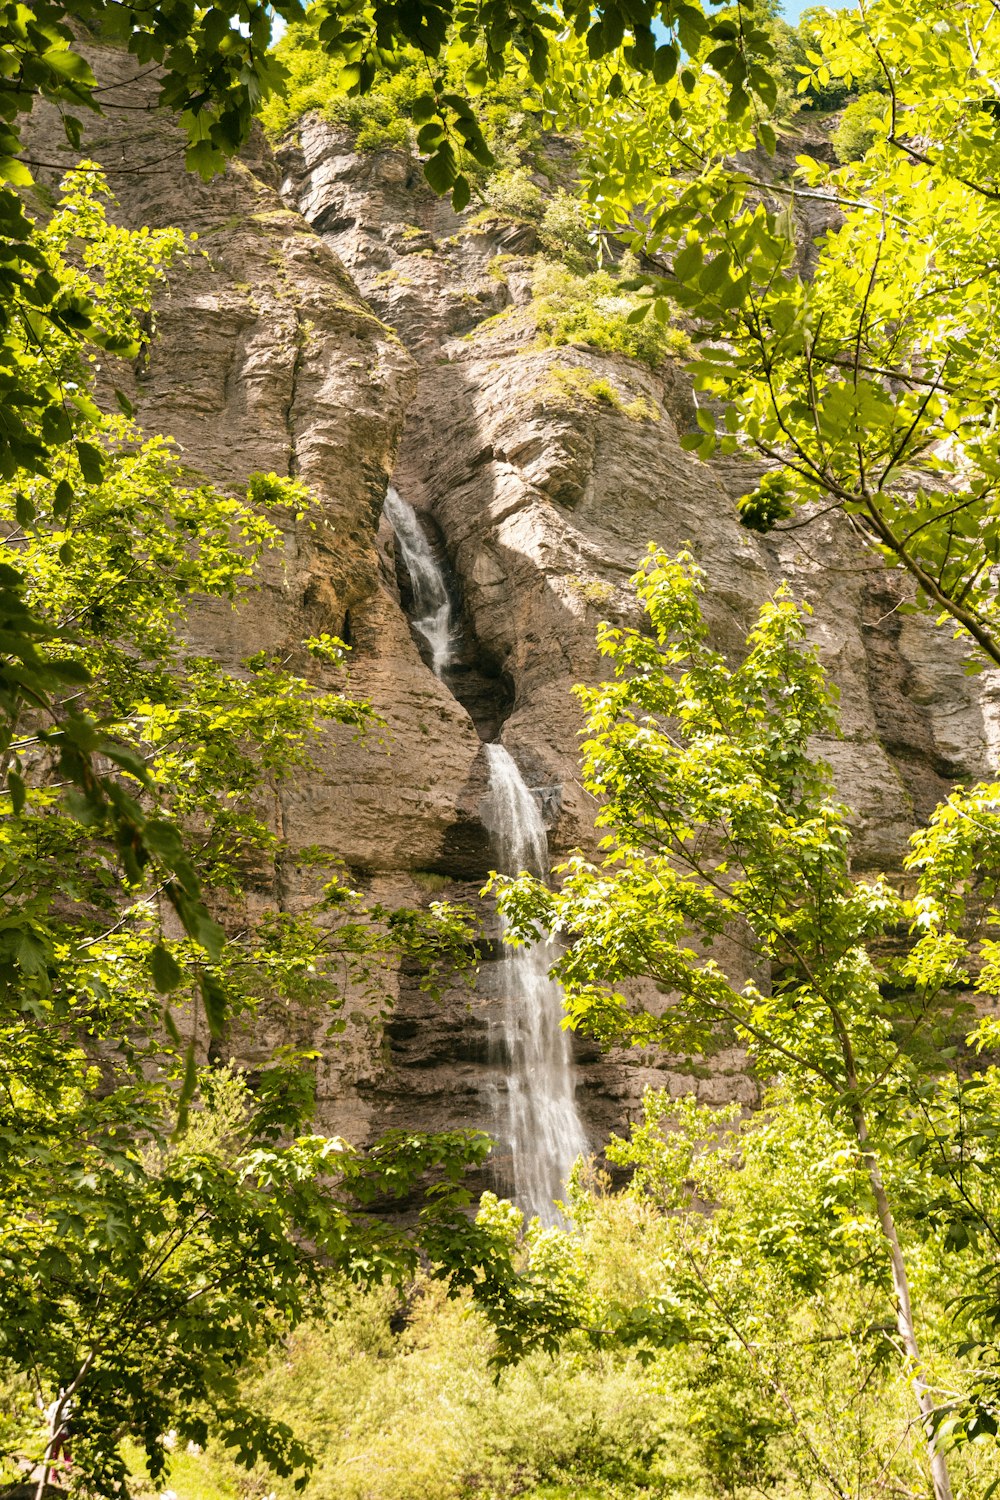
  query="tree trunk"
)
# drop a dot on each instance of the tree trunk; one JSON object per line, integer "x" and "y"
{"x": 904, "y": 1309}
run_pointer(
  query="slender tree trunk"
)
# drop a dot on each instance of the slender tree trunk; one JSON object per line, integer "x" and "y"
{"x": 58, "y": 1414}
{"x": 904, "y": 1307}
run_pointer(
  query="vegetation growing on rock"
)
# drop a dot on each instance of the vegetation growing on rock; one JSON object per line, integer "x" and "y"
{"x": 383, "y": 117}
{"x": 169, "y": 1222}
{"x": 596, "y": 310}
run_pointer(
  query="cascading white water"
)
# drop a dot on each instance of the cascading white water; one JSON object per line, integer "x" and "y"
{"x": 431, "y": 616}
{"x": 542, "y": 1126}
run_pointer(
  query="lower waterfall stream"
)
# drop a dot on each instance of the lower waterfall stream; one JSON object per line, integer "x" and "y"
{"x": 542, "y": 1127}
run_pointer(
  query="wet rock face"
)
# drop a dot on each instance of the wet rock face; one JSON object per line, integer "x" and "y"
{"x": 471, "y": 673}
{"x": 335, "y": 323}
{"x": 545, "y": 499}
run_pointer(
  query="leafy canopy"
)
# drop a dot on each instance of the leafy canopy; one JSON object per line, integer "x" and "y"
{"x": 723, "y": 832}
{"x": 861, "y": 366}
{"x": 149, "y": 1247}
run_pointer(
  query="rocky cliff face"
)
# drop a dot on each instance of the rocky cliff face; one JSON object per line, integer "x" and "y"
{"x": 336, "y": 323}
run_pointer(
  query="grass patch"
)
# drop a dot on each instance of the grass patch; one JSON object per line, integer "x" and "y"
{"x": 577, "y": 383}
{"x": 594, "y": 309}
{"x": 497, "y": 268}
{"x": 592, "y": 590}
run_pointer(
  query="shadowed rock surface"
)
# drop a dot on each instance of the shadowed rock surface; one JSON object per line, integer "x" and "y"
{"x": 335, "y": 322}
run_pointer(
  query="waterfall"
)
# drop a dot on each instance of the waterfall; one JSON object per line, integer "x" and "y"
{"x": 542, "y": 1127}
{"x": 431, "y": 616}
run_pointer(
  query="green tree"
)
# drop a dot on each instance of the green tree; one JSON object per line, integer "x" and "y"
{"x": 745, "y": 1262}
{"x": 868, "y": 381}
{"x": 721, "y": 828}
{"x": 144, "y": 1258}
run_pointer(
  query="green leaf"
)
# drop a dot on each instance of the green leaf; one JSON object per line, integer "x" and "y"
{"x": 91, "y": 461}
{"x": 665, "y": 63}
{"x": 18, "y": 792}
{"x": 14, "y": 172}
{"x": 440, "y": 169}
{"x": 216, "y": 1003}
{"x": 167, "y": 973}
{"x": 189, "y": 1085}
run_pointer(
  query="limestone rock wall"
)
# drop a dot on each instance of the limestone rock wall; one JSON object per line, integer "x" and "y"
{"x": 338, "y": 322}
{"x": 546, "y": 500}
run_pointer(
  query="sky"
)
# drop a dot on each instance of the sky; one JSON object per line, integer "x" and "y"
{"x": 791, "y": 10}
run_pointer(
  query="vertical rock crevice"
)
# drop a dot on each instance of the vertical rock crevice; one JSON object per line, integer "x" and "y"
{"x": 531, "y": 1084}
{"x": 543, "y": 499}
{"x": 298, "y": 347}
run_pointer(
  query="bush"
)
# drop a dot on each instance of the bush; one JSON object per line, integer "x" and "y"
{"x": 381, "y": 119}
{"x": 594, "y": 310}
{"x": 565, "y": 232}
{"x": 418, "y": 1412}
{"x": 861, "y": 125}
{"x": 277, "y": 489}
{"x": 512, "y": 194}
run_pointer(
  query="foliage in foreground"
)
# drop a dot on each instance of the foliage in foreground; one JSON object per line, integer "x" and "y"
{"x": 863, "y": 371}
{"x": 416, "y": 1410}
{"x": 146, "y": 1254}
{"x": 723, "y": 831}
{"x": 716, "y": 1356}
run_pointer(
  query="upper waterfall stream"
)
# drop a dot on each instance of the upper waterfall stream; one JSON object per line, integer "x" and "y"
{"x": 431, "y": 617}
{"x": 542, "y": 1127}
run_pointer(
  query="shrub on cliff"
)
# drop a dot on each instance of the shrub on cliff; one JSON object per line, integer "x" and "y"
{"x": 513, "y": 195}
{"x": 383, "y": 117}
{"x": 380, "y": 120}
{"x": 861, "y": 125}
{"x": 567, "y": 232}
{"x": 596, "y": 309}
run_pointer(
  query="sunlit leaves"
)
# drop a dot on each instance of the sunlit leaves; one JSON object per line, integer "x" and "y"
{"x": 869, "y": 381}
{"x": 720, "y": 819}
{"x": 146, "y": 1249}
{"x": 725, "y": 911}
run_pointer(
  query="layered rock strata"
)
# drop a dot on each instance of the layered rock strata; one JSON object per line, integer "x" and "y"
{"x": 338, "y": 322}
{"x": 546, "y": 497}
